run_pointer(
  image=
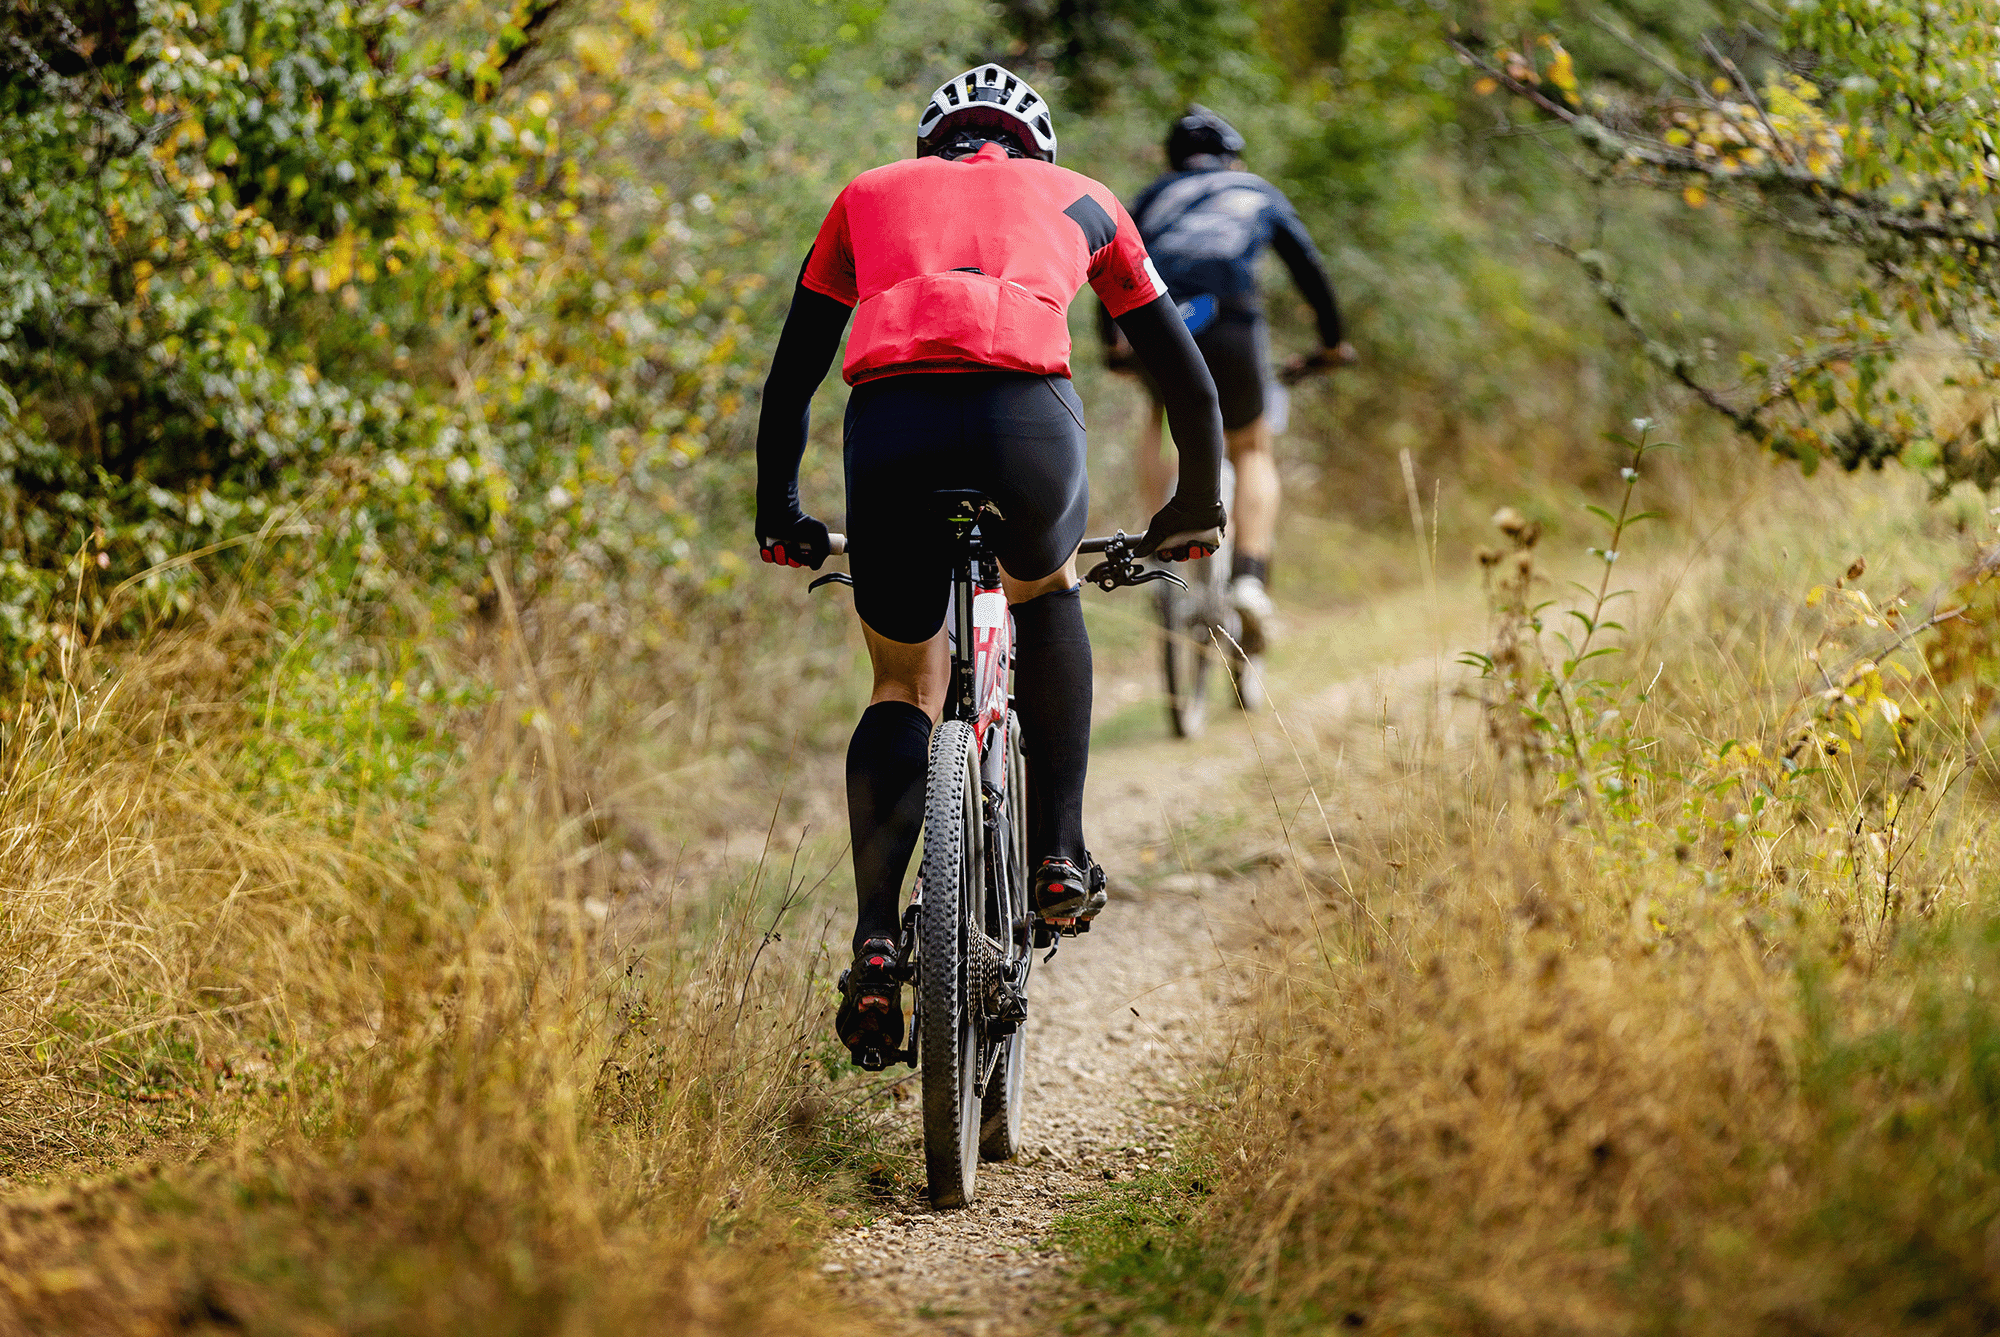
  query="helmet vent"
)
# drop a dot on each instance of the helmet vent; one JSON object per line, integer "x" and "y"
{"x": 952, "y": 93}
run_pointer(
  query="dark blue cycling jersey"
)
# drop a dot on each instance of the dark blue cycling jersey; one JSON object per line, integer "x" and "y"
{"x": 1205, "y": 230}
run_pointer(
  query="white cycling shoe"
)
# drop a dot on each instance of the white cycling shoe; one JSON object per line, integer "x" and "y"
{"x": 1260, "y": 616}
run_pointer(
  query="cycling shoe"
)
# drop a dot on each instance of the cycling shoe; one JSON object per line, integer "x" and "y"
{"x": 1260, "y": 616}
{"x": 870, "y": 1020}
{"x": 1250, "y": 693}
{"x": 1065, "y": 892}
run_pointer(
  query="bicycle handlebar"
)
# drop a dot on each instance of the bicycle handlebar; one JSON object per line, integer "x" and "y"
{"x": 836, "y": 544}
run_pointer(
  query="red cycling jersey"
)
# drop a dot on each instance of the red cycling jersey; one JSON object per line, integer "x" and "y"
{"x": 957, "y": 265}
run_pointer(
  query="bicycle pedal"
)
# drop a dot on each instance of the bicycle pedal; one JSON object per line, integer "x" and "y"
{"x": 872, "y": 1060}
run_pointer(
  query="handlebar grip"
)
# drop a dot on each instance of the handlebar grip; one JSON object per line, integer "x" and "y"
{"x": 836, "y": 543}
{"x": 1093, "y": 545}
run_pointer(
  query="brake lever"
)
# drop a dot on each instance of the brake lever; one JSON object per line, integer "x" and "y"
{"x": 831, "y": 578}
{"x": 1121, "y": 570}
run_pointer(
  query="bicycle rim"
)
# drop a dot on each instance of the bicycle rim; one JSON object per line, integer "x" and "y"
{"x": 953, "y": 889}
{"x": 1000, "y": 1111}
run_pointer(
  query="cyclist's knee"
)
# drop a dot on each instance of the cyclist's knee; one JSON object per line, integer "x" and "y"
{"x": 919, "y": 675}
{"x": 1020, "y": 591}
{"x": 1253, "y": 437}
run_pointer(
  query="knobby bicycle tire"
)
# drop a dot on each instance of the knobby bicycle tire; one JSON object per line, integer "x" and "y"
{"x": 954, "y": 878}
{"x": 1000, "y": 1110}
{"x": 1185, "y": 656}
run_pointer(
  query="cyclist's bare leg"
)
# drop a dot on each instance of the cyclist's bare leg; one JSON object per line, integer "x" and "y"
{"x": 1254, "y": 517}
{"x": 1063, "y": 577}
{"x": 1156, "y": 472}
{"x": 917, "y": 674}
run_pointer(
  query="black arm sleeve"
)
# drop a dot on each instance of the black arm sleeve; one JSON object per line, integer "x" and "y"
{"x": 1301, "y": 257}
{"x": 805, "y": 350}
{"x": 1164, "y": 347}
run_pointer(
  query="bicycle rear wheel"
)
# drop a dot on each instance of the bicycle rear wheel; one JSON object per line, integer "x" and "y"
{"x": 1000, "y": 1110}
{"x": 1185, "y": 655}
{"x": 947, "y": 974}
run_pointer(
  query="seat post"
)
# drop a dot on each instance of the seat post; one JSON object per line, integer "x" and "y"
{"x": 962, "y": 510}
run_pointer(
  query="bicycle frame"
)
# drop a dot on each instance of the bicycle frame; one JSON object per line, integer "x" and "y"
{"x": 982, "y": 640}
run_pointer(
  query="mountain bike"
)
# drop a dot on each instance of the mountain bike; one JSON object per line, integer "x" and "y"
{"x": 1199, "y": 624}
{"x": 968, "y": 937}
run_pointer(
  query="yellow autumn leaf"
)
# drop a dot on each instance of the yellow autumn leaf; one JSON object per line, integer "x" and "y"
{"x": 1562, "y": 71}
{"x": 598, "y": 50}
{"x": 1695, "y": 197}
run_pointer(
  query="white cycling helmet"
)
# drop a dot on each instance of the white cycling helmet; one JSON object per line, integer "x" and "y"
{"x": 987, "y": 98}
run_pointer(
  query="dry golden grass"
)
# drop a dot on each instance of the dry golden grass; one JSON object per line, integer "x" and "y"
{"x": 1687, "y": 1064}
{"x": 369, "y": 1063}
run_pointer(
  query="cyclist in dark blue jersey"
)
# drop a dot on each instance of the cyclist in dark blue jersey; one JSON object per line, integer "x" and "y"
{"x": 1206, "y": 222}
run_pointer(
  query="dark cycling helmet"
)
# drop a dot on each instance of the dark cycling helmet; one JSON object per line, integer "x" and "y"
{"x": 1202, "y": 131}
{"x": 987, "y": 102}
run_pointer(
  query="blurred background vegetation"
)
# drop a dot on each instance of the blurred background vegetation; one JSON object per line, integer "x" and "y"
{"x": 433, "y": 298}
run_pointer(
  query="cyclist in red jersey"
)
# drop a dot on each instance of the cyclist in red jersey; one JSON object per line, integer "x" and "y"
{"x": 958, "y": 267}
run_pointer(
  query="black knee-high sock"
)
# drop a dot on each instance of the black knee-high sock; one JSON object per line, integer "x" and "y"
{"x": 1052, "y": 693}
{"x": 886, "y": 763}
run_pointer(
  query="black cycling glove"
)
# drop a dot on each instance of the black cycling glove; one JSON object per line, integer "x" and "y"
{"x": 797, "y": 540}
{"x": 1182, "y": 531}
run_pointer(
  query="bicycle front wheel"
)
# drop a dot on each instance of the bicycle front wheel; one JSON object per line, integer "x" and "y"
{"x": 954, "y": 890}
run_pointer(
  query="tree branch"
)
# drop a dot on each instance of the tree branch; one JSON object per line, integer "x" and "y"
{"x": 1667, "y": 358}
{"x": 1858, "y": 211}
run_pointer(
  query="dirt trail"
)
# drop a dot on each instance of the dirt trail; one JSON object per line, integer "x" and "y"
{"x": 1121, "y": 1021}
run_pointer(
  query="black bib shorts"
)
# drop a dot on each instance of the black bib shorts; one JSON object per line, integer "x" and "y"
{"x": 1236, "y": 345}
{"x": 1015, "y": 436}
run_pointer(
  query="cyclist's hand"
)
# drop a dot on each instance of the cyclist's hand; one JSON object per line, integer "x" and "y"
{"x": 798, "y": 541}
{"x": 1324, "y": 359}
{"x": 1182, "y": 532}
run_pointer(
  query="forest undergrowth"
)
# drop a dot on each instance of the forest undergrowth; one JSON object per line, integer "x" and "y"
{"x": 314, "y": 1020}
{"x": 1647, "y": 990}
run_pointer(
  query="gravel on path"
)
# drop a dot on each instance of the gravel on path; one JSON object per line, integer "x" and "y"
{"x": 1119, "y": 1023}
{"x": 1122, "y": 1021}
